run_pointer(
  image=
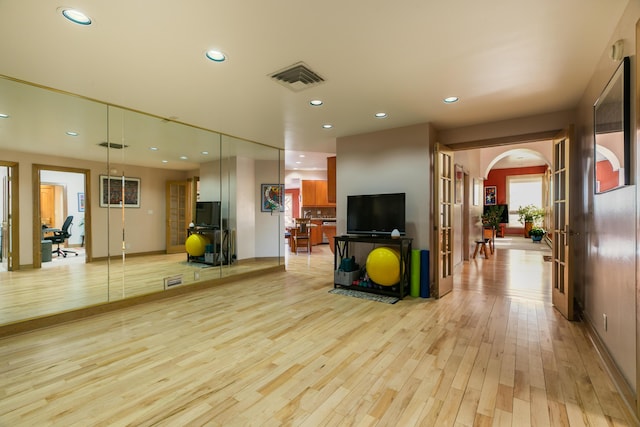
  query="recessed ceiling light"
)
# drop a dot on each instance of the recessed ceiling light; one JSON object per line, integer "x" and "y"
{"x": 4, "y": 116}
{"x": 301, "y": 155}
{"x": 204, "y": 152}
{"x": 165, "y": 161}
{"x": 183, "y": 157}
{"x": 76, "y": 16}
{"x": 451, "y": 99}
{"x": 382, "y": 115}
{"x": 327, "y": 126}
{"x": 72, "y": 133}
{"x": 153, "y": 148}
{"x": 316, "y": 102}
{"x": 297, "y": 163}
{"x": 216, "y": 56}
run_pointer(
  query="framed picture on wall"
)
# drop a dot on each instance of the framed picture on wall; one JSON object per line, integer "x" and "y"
{"x": 272, "y": 197}
{"x": 490, "y": 195}
{"x": 80, "y": 202}
{"x": 459, "y": 184}
{"x": 119, "y": 191}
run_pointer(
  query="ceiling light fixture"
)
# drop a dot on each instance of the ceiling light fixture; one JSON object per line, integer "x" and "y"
{"x": 381, "y": 115}
{"x": 327, "y": 126}
{"x": 216, "y": 56}
{"x": 165, "y": 161}
{"x": 72, "y": 133}
{"x": 204, "y": 152}
{"x": 450, "y": 99}
{"x": 316, "y": 102}
{"x": 76, "y": 16}
{"x": 183, "y": 157}
{"x": 153, "y": 148}
{"x": 4, "y": 116}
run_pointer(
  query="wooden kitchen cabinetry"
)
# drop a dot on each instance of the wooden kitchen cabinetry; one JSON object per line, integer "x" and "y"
{"x": 316, "y": 232}
{"x": 314, "y": 193}
{"x": 331, "y": 179}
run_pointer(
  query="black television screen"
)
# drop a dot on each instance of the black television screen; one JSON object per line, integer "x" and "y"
{"x": 505, "y": 212}
{"x": 376, "y": 214}
{"x": 208, "y": 214}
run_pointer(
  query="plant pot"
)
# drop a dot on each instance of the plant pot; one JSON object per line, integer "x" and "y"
{"x": 536, "y": 238}
{"x": 527, "y": 228}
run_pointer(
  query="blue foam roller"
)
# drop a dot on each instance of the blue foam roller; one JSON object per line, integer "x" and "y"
{"x": 424, "y": 274}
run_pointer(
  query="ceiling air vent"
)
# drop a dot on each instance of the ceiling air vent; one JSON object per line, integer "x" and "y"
{"x": 113, "y": 145}
{"x": 297, "y": 77}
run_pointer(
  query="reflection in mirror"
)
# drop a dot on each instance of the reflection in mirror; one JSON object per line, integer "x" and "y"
{"x": 144, "y": 177}
{"x": 50, "y": 131}
{"x": 612, "y": 121}
{"x": 257, "y": 238}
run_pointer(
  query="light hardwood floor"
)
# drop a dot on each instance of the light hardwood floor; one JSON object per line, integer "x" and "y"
{"x": 281, "y": 350}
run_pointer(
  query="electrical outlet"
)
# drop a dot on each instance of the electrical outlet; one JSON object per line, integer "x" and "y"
{"x": 604, "y": 320}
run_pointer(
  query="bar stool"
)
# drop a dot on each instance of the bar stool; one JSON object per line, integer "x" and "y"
{"x": 481, "y": 246}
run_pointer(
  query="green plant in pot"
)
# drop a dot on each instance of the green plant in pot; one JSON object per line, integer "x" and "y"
{"x": 537, "y": 233}
{"x": 492, "y": 216}
{"x": 529, "y": 216}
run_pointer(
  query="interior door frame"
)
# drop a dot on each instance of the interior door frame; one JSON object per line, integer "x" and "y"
{"x": 562, "y": 274}
{"x": 444, "y": 231}
{"x": 13, "y": 253}
{"x": 36, "y": 169}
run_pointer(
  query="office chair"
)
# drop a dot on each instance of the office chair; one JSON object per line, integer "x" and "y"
{"x": 303, "y": 234}
{"x": 59, "y": 236}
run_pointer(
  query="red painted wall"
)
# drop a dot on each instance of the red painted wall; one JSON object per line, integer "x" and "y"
{"x": 498, "y": 177}
{"x": 607, "y": 176}
{"x": 295, "y": 197}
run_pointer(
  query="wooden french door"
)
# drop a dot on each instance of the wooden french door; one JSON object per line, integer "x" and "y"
{"x": 562, "y": 293}
{"x": 9, "y": 220}
{"x": 178, "y": 215}
{"x": 443, "y": 219}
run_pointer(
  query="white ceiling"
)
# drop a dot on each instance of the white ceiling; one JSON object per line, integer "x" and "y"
{"x": 504, "y": 59}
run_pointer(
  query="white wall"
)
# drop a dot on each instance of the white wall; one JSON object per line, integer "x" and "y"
{"x": 269, "y": 228}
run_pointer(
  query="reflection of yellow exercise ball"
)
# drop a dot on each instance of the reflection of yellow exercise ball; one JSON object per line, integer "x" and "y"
{"x": 195, "y": 244}
{"x": 383, "y": 266}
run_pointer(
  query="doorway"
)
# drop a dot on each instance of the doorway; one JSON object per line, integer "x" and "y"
{"x": 62, "y": 196}
{"x": 513, "y": 247}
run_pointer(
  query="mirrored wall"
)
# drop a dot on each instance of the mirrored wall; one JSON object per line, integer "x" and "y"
{"x": 154, "y": 204}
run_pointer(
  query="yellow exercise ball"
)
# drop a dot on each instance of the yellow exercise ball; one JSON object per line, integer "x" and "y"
{"x": 383, "y": 266}
{"x": 196, "y": 244}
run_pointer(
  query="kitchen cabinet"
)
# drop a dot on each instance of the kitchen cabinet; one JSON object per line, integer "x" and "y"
{"x": 316, "y": 232}
{"x": 314, "y": 194}
{"x": 331, "y": 179}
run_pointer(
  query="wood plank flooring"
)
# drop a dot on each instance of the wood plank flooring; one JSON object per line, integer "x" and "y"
{"x": 280, "y": 350}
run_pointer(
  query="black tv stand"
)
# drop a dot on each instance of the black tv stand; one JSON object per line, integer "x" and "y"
{"x": 341, "y": 251}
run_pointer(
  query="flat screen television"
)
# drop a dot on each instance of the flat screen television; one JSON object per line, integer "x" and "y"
{"x": 505, "y": 212}
{"x": 208, "y": 214}
{"x": 376, "y": 214}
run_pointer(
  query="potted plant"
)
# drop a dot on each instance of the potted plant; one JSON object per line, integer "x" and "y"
{"x": 529, "y": 216}
{"x": 492, "y": 216}
{"x": 537, "y": 233}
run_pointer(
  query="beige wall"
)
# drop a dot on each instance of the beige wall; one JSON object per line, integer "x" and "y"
{"x": 388, "y": 161}
{"x": 145, "y": 231}
{"x": 608, "y": 238}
